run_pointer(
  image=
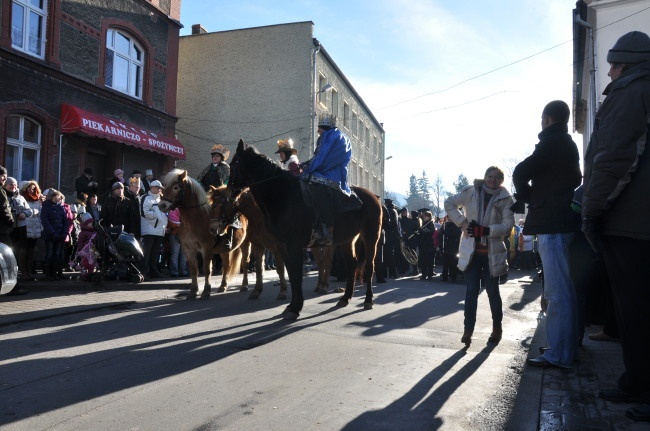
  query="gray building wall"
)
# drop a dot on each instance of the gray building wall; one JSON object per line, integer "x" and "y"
{"x": 260, "y": 84}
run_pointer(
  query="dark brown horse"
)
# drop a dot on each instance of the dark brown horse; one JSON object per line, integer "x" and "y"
{"x": 257, "y": 235}
{"x": 187, "y": 194}
{"x": 279, "y": 195}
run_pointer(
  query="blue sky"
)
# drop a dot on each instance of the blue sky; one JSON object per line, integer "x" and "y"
{"x": 459, "y": 85}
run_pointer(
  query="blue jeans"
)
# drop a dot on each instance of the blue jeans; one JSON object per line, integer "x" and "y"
{"x": 177, "y": 261}
{"x": 477, "y": 273}
{"x": 562, "y": 311}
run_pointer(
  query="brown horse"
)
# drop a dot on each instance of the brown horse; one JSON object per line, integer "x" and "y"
{"x": 290, "y": 220}
{"x": 323, "y": 260}
{"x": 223, "y": 211}
{"x": 188, "y": 196}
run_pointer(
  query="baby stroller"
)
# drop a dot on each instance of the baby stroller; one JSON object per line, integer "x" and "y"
{"x": 120, "y": 254}
{"x": 85, "y": 259}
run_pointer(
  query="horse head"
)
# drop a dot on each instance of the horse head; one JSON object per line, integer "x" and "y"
{"x": 222, "y": 210}
{"x": 174, "y": 192}
{"x": 248, "y": 168}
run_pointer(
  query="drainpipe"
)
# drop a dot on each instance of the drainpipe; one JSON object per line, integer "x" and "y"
{"x": 313, "y": 95}
{"x": 58, "y": 182}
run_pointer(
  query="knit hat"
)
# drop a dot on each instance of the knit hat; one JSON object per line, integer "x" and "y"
{"x": 156, "y": 183}
{"x": 3, "y": 170}
{"x": 148, "y": 172}
{"x": 11, "y": 180}
{"x": 631, "y": 48}
{"x": 118, "y": 171}
{"x": 117, "y": 185}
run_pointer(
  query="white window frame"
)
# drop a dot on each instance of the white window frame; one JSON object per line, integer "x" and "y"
{"x": 19, "y": 145}
{"x": 135, "y": 66}
{"x": 31, "y": 12}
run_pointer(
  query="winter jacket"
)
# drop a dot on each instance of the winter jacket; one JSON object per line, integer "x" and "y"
{"x": 116, "y": 211}
{"x": 331, "y": 159}
{"x": 617, "y": 160}
{"x": 20, "y": 206}
{"x": 54, "y": 220}
{"x": 553, "y": 171}
{"x": 464, "y": 207}
{"x": 216, "y": 176}
{"x": 33, "y": 222}
{"x": 6, "y": 217}
{"x": 154, "y": 221}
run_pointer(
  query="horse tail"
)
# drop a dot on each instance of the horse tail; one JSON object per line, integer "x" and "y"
{"x": 234, "y": 263}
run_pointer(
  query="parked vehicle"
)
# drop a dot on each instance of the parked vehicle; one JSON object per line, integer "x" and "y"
{"x": 8, "y": 269}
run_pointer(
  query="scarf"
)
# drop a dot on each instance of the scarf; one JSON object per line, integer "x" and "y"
{"x": 484, "y": 193}
{"x": 31, "y": 196}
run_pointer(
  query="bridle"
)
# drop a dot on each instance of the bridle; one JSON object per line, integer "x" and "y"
{"x": 176, "y": 203}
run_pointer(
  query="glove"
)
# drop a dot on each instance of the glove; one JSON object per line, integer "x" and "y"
{"x": 476, "y": 230}
{"x": 519, "y": 207}
{"x": 592, "y": 227}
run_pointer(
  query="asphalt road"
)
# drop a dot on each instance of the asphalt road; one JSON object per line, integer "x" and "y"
{"x": 232, "y": 364}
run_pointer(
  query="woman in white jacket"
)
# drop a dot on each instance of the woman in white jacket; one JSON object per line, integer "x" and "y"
{"x": 152, "y": 227}
{"x": 483, "y": 213}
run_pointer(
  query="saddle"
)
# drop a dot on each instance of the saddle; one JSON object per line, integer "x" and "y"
{"x": 341, "y": 202}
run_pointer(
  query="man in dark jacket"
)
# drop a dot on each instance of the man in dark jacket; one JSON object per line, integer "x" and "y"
{"x": 6, "y": 217}
{"x": 615, "y": 209}
{"x": 85, "y": 183}
{"x": 392, "y": 245}
{"x": 450, "y": 238}
{"x": 546, "y": 181}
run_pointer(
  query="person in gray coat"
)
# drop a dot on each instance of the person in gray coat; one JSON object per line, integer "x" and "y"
{"x": 482, "y": 211}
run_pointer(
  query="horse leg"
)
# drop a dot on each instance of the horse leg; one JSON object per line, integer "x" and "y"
{"x": 207, "y": 272}
{"x": 318, "y": 260}
{"x": 350, "y": 265}
{"x": 246, "y": 253}
{"x": 194, "y": 274}
{"x": 279, "y": 268}
{"x": 258, "y": 254}
{"x": 370, "y": 245}
{"x": 293, "y": 261}
{"x": 225, "y": 261}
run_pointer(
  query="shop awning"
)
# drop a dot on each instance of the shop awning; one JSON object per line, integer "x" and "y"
{"x": 75, "y": 120}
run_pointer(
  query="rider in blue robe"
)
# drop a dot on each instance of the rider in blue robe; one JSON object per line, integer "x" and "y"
{"x": 327, "y": 172}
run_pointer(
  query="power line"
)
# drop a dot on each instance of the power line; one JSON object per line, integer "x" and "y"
{"x": 506, "y": 65}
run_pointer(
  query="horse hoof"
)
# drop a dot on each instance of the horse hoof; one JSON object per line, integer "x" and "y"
{"x": 254, "y": 295}
{"x": 342, "y": 303}
{"x": 290, "y": 315}
{"x": 221, "y": 289}
{"x": 367, "y": 306}
{"x": 190, "y": 296}
{"x": 205, "y": 295}
{"x": 243, "y": 289}
{"x": 281, "y": 297}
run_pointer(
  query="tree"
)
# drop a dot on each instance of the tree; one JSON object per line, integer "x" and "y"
{"x": 461, "y": 183}
{"x": 415, "y": 199}
{"x": 423, "y": 187}
{"x": 438, "y": 191}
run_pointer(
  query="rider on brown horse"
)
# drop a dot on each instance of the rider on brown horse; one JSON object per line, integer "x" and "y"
{"x": 217, "y": 174}
{"x": 327, "y": 174}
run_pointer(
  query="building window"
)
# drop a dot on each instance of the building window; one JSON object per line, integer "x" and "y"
{"x": 28, "y": 18}
{"x": 124, "y": 64}
{"x": 23, "y": 147}
{"x": 346, "y": 115}
{"x": 322, "y": 95}
{"x": 354, "y": 124}
{"x": 335, "y": 103}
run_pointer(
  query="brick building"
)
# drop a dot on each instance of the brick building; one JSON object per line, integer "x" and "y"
{"x": 84, "y": 85}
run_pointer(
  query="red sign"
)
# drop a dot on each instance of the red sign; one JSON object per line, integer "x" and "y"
{"x": 74, "y": 119}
